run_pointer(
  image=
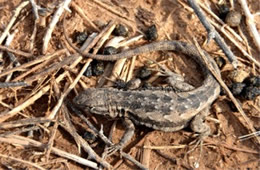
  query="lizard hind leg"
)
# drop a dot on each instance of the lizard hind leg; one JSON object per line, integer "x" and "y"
{"x": 198, "y": 125}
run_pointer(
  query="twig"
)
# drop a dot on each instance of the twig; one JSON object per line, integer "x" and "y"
{"x": 10, "y": 24}
{"x": 13, "y": 84}
{"x": 22, "y": 161}
{"x": 51, "y": 140}
{"x": 236, "y": 44}
{"x": 19, "y": 140}
{"x": 36, "y": 21}
{"x": 84, "y": 16}
{"x": 20, "y": 130}
{"x": 221, "y": 82}
{"x": 52, "y": 24}
{"x": 23, "y": 122}
{"x": 12, "y": 57}
{"x": 17, "y": 52}
{"x": 130, "y": 158}
{"x": 35, "y": 9}
{"x": 112, "y": 10}
{"x": 250, "y": 23}
{"x": 212, "y": 33}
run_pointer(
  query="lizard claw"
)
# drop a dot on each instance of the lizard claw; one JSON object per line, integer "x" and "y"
{"x": 113, "y": 149}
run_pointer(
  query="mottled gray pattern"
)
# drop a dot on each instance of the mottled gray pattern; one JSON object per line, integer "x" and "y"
{"x": 162, "y": 110}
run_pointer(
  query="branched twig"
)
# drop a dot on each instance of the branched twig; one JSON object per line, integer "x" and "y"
{"x": 213, "y": 33}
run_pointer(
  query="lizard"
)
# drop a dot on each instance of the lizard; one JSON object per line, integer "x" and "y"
{"x": 160, "y": 110}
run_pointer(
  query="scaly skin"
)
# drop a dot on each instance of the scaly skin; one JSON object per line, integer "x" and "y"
{"x": 166, "y": 111}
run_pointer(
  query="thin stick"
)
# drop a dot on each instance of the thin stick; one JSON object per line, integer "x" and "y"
{"x": 221, "y": 82}
{"x": 84, "y": 16}
{"x": 10, "y": 24}
{"x": 236, "y": 44}
{"x": 112, "y": 10}
{"x": 53, "y": 23}
{"x": 213, "y": 33}
{"x": 250, "y": 23}
{"x": 13, "y": 84}
{"x": 17, "y": 52}
{"x": 22, "y": 161}
{"x": 23, "y": 122}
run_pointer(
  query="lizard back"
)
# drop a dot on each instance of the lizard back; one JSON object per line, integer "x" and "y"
{"x": 167, "y": 111}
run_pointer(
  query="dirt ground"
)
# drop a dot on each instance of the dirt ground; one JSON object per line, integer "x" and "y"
{"x": 170, "y": 150}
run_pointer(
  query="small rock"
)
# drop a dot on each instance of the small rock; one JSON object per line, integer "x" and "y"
{"x": 223, "y": 11}
{"x": 151, "y": 33}
{"x": 144, "y": 73}
{"x": 251, "y": 92}
{"x": 121, "y": 30}
{"x": 220, "y": 61}
{"x": 110, "y": 50}
{"x": 237, "y": 88}
{"x": 238, "y": 75}
{"x": 233, "y": 18}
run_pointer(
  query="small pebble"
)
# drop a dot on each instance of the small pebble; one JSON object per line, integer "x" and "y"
{"x": 237, "y": 88}
{"x": 223, "y": 11}
{"x": 144, "y": 73}
{"x": 120, "y": 84}
{"x": 88, "y": 72}
{"x": 233, "y": 18}
{"x": 220, "y": 61}
{"x": 133, "y": 84}
{"x": 90, "y": 137}
{"x": 151, "y": 33}
{"x": 238, "y": 76}
{"x": 121, "y": 30}
{"x": 79, "y": 37}
{"x": 251, "y": 92}
{"x": 110, "y": 50}
{"x": 253, "y": 81}
{"x": 98, "y": 68}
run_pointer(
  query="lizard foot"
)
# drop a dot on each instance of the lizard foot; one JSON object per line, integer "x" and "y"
{"x": 113, "y": 149}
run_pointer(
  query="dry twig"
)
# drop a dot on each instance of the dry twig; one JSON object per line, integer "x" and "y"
{"x": 250, "y": 23}
{"x": 52, "y": 24}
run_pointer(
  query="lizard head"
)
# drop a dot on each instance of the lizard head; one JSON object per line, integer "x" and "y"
{"x": 94, "y": 101}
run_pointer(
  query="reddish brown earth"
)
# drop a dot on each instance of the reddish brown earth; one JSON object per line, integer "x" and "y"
{"x": 222, "y": 151}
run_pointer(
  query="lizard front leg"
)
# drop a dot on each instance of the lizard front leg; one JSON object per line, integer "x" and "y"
{"x": 130, "y": 128}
